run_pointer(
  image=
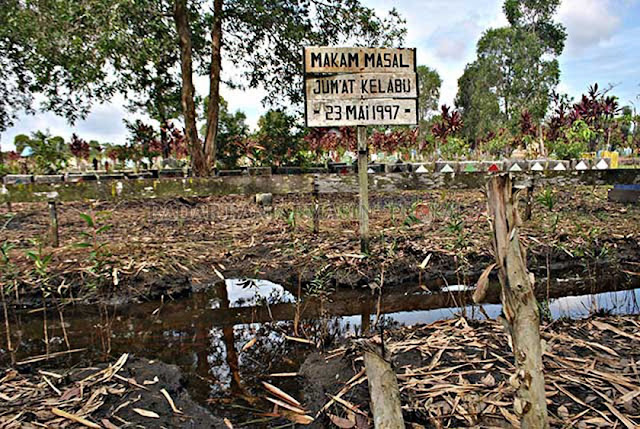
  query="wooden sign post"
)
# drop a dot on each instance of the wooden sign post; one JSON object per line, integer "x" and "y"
{"x": 360, "y": 87}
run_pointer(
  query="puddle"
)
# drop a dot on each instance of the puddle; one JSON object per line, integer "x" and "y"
{"x": 227, "y": 338}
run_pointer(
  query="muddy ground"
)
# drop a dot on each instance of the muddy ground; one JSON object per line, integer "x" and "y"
{"x": 169, "y": 247}
{"x": 31, "y": 391}
{"x": 456, "y": 373}
{"x": 451, "y": 373}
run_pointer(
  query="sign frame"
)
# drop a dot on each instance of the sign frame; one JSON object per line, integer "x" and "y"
{"x": 307, "y": 76}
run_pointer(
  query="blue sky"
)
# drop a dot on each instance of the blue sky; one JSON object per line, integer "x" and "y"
{"x": 603, "y": 46}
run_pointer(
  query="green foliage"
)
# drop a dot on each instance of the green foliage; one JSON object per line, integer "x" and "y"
{"x": 49, "y": 153}
{"x": 500, "y": 144}
{"x": 477, "y": 101}
{"x": 232, "y": 131}
{"x": 516, "y": 69}
{"x": 7, "y": 267}
{"x": 40, "y": 260}
{"x": 58, "y": 49}
{"x": 454, "y": 148}
{"x": 279, "y": 141}
{"x": 77, "y": 53}
{"x": 429, "y": 83}
{"x": 98, "y": 256}
{"x": 321, "y": 285}
{"x": 537, "y": 16}
{"x": 291, "y": 219}
{"x": 574, "y": 143}
{"x": 411, "y": 218}
{"x": 547, "y": 199}
{"x": 265, "y": 38}
{"x": 456, "y": 226}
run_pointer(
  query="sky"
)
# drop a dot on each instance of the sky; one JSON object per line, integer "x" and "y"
{"x": 602, "y": 46}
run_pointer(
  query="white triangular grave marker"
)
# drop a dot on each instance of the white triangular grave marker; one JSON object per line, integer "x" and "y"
{"x": 560, "y": 167}
{"x": 537, "y": 167}
{"x": 582, "y": 166}
{"x": 602, "y": 165}
{"x": 370, "y": 171}
{"x": 421, "y": 169}
{"x": 446, "y": 169}
{"x": 515, "y": 167}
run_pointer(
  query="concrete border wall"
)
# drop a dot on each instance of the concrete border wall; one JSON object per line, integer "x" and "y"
{"x": 131, "y": 189}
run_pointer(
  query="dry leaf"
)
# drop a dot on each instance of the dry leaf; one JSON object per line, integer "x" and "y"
{"x": 107, "y": 424}
{"x": 75, "y": 418}
{"x": 170, "y": 401}
{"x": 249, "y": 344}
{"x": 146, "y": 413}
{"x": 341, "y": 422}
{"x": 281, "y": 394}
{"x": 518, "y": 406}
{"x": 286, "y": 405}
{"x": 488, "y": 381}
{"x": 227, "y": 423}
{"x": 563, "y": 412}
{"x": 483, "y": 284}
{"x": 424, "y": 263}
{"x": 148, "y": 382}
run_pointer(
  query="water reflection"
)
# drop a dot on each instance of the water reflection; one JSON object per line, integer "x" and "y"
{"x": 228, "y": 337}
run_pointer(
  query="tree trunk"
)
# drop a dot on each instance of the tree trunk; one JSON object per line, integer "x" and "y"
{"x": 213, "y": 108}
{"x": 198, "y": 162}
{"x": 164, "y": 139}
{"x": 518, "y": 303}
{"x": 383, "y": 389}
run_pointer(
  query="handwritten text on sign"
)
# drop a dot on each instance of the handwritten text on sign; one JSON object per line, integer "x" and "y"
{"x": 353, "y": 60}
{"x": 328, "y": 113}
{"x": 362, "y": 85}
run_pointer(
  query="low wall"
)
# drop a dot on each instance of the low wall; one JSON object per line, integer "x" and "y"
{"x": 142, "y": 188}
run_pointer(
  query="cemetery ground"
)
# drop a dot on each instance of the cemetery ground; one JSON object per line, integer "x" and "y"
{"x": 166, "y": 255}
{"x": 142, "y": 250}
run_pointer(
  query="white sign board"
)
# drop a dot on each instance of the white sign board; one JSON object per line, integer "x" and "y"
{"x": 337, "y": 113}
{"x": 360, "y": 86}
{"x": 353, "y": 60}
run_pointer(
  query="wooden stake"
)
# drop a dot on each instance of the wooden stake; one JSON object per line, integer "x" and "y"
{"x": 528, "y": 201}
{"x": 518, "y": 303}
{"x": 53, "y": 216}
{"x": 383, "y": 389}
{"x": 363, "y": 182}
{"x": 316, "y": 204}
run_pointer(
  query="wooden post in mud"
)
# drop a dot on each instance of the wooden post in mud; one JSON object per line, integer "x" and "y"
{"x": 316, "y": 204}
{"x": 363, "y": 183}
{"x": 383, "y": 388}
{"x": 518, "y": 304}
{"x": 53, "y": 217}
{"x": 528, "y": 200}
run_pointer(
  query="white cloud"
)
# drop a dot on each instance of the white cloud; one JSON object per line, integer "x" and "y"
{"x": 589, "y": 22}
{"x": 450, "y": 49}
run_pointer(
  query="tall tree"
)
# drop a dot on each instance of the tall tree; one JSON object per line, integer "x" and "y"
{"x": 279, "y": 138}
{"x": 536, "y": 16}
{"x": 429, "y": 83}
{"x": 265, "y": 40}
{"x": 477, "y": 102}
{"x": 58, "y": 49}
{"x": 516, "y": 68}
{"x": 76, "y": 53}
{"x": 232, "y": 133}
